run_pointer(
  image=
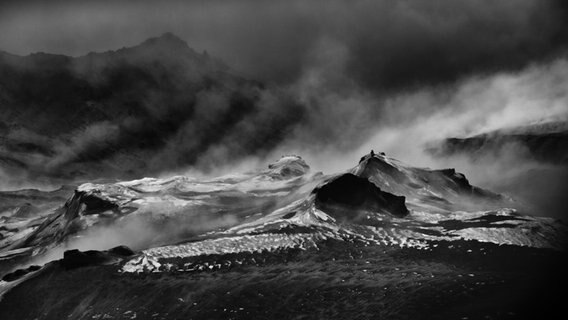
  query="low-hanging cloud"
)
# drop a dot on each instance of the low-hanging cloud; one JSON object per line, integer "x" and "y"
{"x": 415, "y": 121}
{"x": 341, "y": 78}
{"x": 475, "y": 105}
{"x": 391, "y": 43}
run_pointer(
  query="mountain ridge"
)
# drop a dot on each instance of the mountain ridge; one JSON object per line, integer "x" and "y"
{"x": 286, "y": 195}
{"x": 307, "y": 231}
{"x": 153, "y": 107}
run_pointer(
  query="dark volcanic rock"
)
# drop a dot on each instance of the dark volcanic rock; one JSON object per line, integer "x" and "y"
{"x": 453, "y": 280}
{"x": 121, "y": 251}
{"x": 20, "y": 273}
{"x": 73, "y": 259}
{"x": 96, "y": 204}
{"x": 351, "y": 194}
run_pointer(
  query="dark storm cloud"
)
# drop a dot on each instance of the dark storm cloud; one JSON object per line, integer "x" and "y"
{"x": 389, "y": 43}
{"x": 351, "y": 76}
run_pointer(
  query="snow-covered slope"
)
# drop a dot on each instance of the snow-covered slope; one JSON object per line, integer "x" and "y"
{"x": 381, "y": 226}
{"x": 380, "y": 201}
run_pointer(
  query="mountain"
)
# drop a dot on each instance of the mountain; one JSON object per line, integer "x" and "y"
{"x": 383, "y": 239}
{"x": 130, "y": 112}
{"x": 545, "y": 142}
{"x": 380, "y": 239}
{"x": 539, "y": 151}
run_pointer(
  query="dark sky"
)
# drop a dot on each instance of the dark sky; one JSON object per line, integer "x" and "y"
{"x": 383, "y": 74}
{"x": 385, "y": 43}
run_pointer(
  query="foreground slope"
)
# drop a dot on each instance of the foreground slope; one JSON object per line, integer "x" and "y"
{"x": 382, "y": 239}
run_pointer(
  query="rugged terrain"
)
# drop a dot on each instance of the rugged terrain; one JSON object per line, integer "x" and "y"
{"x": 130, "y": 112}
{"x": 532, "y": 161}
{"x": 382, "y": 239}
{"x": 545, "y": 141}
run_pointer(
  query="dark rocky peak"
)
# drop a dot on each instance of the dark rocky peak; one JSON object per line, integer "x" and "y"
{"x": 169, "y": 48}
{"x": 73, "y": 259}
{"x": 165, "y": 46}
{"x": 443, "y": 188}
{"x": 164, "y": 56}
{"x": 349, "y": 198}
{"x": 374, "y": 164}
{"x": 166, "y": 40}
{"x": 36, "y": 62}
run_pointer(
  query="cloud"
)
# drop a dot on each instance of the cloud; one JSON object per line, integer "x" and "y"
{"x": 391, "y": 44}
{"x": 85, "y": 142}
{"x": 341, "y": 77}
{"x": 472, "y": 106}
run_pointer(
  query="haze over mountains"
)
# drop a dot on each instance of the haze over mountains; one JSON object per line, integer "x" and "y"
{"x": 162, "y": 108}
{"x": 319, "y": 159}
{"x": 426, "y": 233}
{"x": 339, "y": 78}
{"x": 539, "y": 150}
{"x": 131, "y": 112}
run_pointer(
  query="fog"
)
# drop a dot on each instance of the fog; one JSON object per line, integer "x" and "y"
{"x": 391, "y": 43}
{"x": 341, "y": 78}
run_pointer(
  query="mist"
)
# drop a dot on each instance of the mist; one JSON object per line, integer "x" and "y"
{"x": 413, "y": 121}
{"x": 339, "y": 79}
{"x": 391, "y": 44}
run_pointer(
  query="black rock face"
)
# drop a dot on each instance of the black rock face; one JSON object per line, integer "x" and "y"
{"x": 121, "y": 251}
{"x": 96, "y": 204}
{"x": 73, "y": 259}
{"x": 20, "y": 273}
{"x": 347, "y": 195}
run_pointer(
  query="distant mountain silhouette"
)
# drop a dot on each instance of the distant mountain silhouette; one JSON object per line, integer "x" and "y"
{"x": 543, "y": 146}
{"x": 546, "y": 142}
{"x": 153, "y": 106}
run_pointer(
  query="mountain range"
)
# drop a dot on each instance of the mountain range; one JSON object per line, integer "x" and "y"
{"x": 540, "y": 150}
{"x": 113, "y": 233}
{"x": 130, "y": 112}
{"x": 382, "y": 237}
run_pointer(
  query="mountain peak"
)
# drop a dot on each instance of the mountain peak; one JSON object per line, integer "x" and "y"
{"x": 167, "y": 39}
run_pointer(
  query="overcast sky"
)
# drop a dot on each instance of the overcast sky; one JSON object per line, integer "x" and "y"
{"x": 386, "y": 43}
{"x": 383, "y": 74}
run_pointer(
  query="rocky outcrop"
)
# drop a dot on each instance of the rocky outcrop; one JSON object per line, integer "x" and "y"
{"x": 184, "y": 206}
{"x": 73, "y": 259}
{"x": 175, "y": 209}
{"x": 18, "y": 274}
{"x": 442, "y": 189}
{"x": 347, "y": 196}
